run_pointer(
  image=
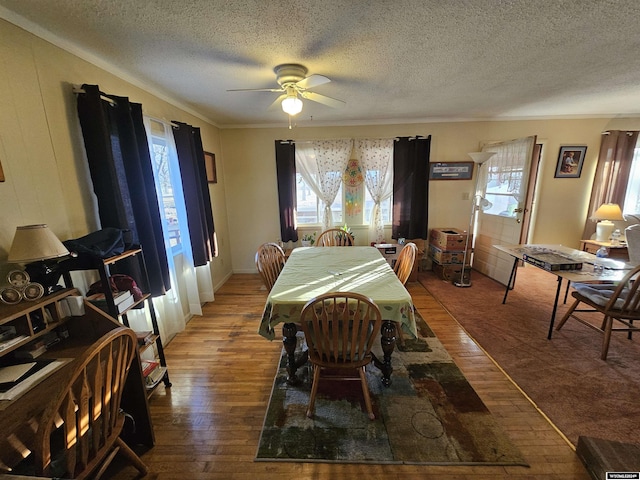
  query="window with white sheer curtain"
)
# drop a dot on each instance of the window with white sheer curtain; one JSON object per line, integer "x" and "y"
{"x": 376, "y": 158}
{"x": 632, "y": 197}
{"x": 503, "y": 181}
{"x": 183, "y": 299}
{"x": 321, "y": 163}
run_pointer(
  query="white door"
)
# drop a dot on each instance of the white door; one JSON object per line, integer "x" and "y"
{"x": 503, "y": 181}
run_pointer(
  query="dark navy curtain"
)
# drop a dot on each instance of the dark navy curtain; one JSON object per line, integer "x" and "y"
{"x": 286, "y": 175}
{"x": 411, "y": 187}
{"x": 196, "y": 193}
{"x": 121, "y": 173}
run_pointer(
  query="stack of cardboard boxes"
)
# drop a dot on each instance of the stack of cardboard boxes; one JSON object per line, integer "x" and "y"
{"x": 446, "y": 249}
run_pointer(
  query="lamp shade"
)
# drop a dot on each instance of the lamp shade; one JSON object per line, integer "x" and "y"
{"x": 608, "y": 211}
{"x": 35, "y": 242}
{"x": 292, "y": 105}
{"x": 481, "y": 157}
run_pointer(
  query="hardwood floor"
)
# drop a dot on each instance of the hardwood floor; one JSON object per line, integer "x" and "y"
{"x": 208, "y": 424}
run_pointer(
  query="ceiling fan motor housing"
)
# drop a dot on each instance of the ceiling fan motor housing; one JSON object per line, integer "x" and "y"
{"x": 289, "y": 73}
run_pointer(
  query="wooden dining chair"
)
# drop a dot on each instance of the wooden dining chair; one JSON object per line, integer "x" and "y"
{"x": 79, "y": 433}
{"x": 339, "y": 328}
{"x": 404, "y": 264}
{"x": 269, "y": 262}
{"x": 335, "y": 237}
{"x": 618, "y": 303}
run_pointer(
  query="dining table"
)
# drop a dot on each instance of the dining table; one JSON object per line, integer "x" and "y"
{"x": 312, "y": 271}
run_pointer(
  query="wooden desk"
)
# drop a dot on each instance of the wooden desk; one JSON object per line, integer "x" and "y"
{"x": 311, "y": 271}
{"x": 619, "y": 252}
{"x": 19, "y": 417}
{"x": 614, "y": 270}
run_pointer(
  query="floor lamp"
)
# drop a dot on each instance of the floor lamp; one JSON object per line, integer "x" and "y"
{"x": 478, "y": 158}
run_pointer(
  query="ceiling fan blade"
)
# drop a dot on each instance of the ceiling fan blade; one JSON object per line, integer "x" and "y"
{"x": 312, "y": 81}
{"x": 276, "y": 103}
{"x": 256, "y": 90}
{"x": 316, "y": 97}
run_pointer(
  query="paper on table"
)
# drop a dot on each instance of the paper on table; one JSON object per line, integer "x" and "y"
{"x": 31, "y": 381}
{"x": 12, "y": 373}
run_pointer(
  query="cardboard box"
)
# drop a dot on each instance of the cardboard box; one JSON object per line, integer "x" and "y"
{"x": 451, "y": 273}
{"x": 444, "y": 257}
{"x": 449, "y": 239}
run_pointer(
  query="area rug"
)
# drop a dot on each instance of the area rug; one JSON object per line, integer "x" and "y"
{"x": 581, "y": 394}
{"x": 429, "y": 415}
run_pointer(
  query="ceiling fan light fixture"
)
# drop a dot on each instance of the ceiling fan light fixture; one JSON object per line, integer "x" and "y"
{"x": 292, "y": 105}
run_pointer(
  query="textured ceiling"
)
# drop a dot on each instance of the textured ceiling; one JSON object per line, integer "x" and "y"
{"x": 392, "y": 61}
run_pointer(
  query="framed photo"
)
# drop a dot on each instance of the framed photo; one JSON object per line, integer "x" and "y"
{"x": 570, "y": 160}
{"x": 451, "y": 171}
{"x": 210, "y": 167}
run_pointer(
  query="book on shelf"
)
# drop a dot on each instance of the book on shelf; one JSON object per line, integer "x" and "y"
{"x": 4, "y": 344}
{"x": 7, "y": 332}
{"x": 122, "y": 300}
{"x": 148, "y": 366}
{"x": 155, "y": 376}
{"x": 145, "y": 337}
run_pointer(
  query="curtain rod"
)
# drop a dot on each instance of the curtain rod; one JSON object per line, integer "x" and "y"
{"x": 363, "y": 138}
{"x": 607, "y": 132}
{"x": 103, "y": 96}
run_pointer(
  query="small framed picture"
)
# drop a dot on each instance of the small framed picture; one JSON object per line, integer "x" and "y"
{"x": 210, "y": 167}
{"x": 451, "y": 171}
{"x": 570, "y": 160}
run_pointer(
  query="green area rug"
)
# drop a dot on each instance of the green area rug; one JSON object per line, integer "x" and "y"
{"x": 429, "y": 415}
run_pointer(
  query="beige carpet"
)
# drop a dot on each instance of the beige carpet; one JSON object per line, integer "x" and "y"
{"x": 564, "y": 376}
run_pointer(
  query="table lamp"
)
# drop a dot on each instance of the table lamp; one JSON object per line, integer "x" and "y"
{"x": 37, "y": 248}
{"x": 605, "y": 213}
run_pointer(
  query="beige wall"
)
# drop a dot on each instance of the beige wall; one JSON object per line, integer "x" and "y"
{"x": 41, "y": 148}
{"x": 561, "y": 207}
{"x": 47, "y": 179}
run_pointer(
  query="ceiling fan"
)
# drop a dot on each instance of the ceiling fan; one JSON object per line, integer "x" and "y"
{"x": 293, "y": 85}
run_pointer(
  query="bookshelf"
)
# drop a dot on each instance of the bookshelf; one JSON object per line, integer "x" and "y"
{"x": 115, "y": 309}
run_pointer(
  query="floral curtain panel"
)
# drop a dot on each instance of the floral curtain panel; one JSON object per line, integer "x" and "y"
{"x": 376, "y": 159}
{"x": 322, "y": 164}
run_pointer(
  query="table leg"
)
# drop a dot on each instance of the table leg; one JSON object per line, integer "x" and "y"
{"x": 388, "y": 343}
{"x": 566, "y": 292}
{"x": 555, "y": 307}
{"x": 512, "y": 280}
{"x": 290, "y": 342}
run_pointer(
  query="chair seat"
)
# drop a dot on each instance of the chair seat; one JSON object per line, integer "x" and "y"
{"x": 617, "y": 303}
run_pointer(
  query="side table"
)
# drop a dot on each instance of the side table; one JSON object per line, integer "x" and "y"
{"x": 619, "y": 252}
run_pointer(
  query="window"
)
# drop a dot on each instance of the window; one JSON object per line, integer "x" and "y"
{"x": 168, "y": 183}
{"x": 632, "y": 198}
{"x": 503, "y": 184}
{"x": 310, "y": 206}
{"x": 385, "y": 207}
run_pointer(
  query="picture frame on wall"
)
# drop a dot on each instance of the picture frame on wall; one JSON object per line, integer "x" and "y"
{"x": 210, "y": 167}
{"x": 570, "y": 161}
{"x": 451, "y": 170}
